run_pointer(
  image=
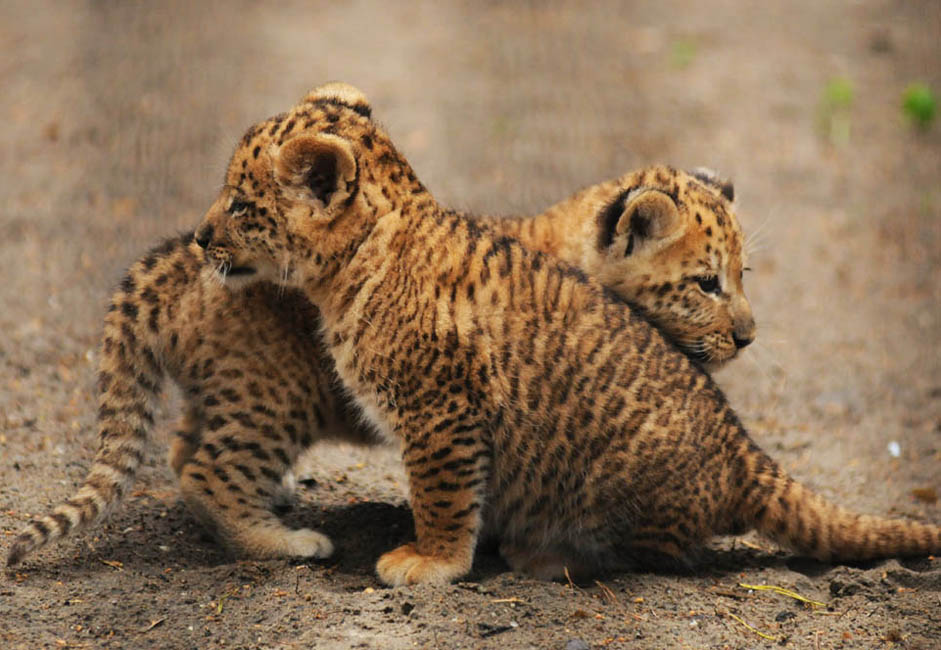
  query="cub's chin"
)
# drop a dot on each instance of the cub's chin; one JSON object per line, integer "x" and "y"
{"x": 232, "y": 277}
{"x": 239, "y": 277}
{"x": 705, "y": 359}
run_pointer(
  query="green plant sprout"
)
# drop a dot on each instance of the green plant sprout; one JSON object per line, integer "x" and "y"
{"x": 835, "y": 108}
{"x": 919, "y": 105}
{"x": 682, "y": 52}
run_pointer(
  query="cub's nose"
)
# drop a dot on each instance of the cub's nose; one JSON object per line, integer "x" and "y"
{"x": 742, "y": 342}
{"x": 204, "y": 235}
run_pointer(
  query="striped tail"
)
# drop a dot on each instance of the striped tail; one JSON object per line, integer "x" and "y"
{"x": 796, "y": 517}
{"x": 129, "y": 380}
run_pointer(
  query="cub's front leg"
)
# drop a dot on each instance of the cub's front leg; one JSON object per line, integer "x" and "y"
{"x": 448, "y": 472}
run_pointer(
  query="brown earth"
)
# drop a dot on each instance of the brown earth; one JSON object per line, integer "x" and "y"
{"x": 117, "y": 120}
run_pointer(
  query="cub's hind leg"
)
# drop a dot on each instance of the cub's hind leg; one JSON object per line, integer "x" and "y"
{"x": 235, "y": 478}
{"x": 187, "y": 435}
{"x": 187, "y": 438}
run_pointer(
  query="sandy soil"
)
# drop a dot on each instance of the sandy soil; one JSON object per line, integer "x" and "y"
{"x": 115, "y": 126}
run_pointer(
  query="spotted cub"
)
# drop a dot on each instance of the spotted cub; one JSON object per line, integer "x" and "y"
{"x": 530, "y": 402}
{"x": 259, "y": 385}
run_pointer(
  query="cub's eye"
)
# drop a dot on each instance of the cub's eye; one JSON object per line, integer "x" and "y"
{"x": 709, "y": 283}
{"x": 237, "y": 207}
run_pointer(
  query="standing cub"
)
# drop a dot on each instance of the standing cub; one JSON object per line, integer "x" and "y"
{"x": 529, "y": 401}
{"x": 259, "y": 387}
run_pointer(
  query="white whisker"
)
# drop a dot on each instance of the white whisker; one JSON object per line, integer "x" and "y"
{"x": 282, "y": 280}
{"x": 759, "y": 350}
{"x": 754, "y": 249}
{"x": 219, "y": 273}
{"x": 753, "y": 358}
{"x": 759, "y": 231}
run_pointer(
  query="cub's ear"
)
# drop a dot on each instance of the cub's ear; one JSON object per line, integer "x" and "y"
{"x": 711, "y": 178}
{"x": 317, "y": 168}
{"x": 638, "y": 219}
{"x": 340, "y": 93}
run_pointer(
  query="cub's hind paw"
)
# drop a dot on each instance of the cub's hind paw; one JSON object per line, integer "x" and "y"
{"x": 547, "y": 564}
{"x": 308, "y": 543}
{"x": 406, "y": 566}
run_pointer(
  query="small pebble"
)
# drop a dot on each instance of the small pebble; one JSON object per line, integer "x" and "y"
{"x": 577, "y": 644}
{"x": 895, "y": 449}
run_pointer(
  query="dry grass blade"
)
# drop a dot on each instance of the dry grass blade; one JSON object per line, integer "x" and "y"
{"x": 153, "y": 624}
{"x": 114, "y": 564}
{"x": 221, "y": 602}
{"x": 750, "y": 627}
{"x": 784, "y": 592}
{"x": 572, "y": 584}
{"x": 606, "y": 594}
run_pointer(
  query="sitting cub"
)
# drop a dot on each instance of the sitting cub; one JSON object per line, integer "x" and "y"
{"x": 259, "y": 387}
{"x": 528, "y": 399}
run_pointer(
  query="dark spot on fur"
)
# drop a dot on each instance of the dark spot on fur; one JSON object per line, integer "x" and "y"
{"x": 129, "y": 309}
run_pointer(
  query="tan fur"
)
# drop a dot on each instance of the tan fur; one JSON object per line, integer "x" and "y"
{"x": 530, "y": 402}
{"x": 258, "y": 385}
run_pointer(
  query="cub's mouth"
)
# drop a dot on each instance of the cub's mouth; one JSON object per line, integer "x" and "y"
{"x": 702, "y": 356}
{"x": 695, "y": 354}
{"x": 236, "y": 271}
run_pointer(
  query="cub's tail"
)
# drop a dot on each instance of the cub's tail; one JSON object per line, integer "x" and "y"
{"x": 796, "y": 517}
{"x": 130, "y": 375}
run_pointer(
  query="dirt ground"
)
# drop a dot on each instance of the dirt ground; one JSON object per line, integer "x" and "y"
{"x": 116, "y": 120}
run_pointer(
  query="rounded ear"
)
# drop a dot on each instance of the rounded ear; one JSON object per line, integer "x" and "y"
{"x": 317, "y": 167}
{"x": 640, "y": 218}
{"x": 649, "y": 214}
{"x": 340, "y": 93}
{"x": 711, "y": 178}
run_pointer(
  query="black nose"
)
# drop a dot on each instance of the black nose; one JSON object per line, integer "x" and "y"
{"x": 741, "y": 343}
{"x": 204, "y": 236}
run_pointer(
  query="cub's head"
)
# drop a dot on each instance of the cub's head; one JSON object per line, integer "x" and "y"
{"x": 302, "y": 190}
{"x": 668, "y": 242}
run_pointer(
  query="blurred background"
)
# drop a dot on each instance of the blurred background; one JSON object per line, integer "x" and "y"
{"x": 117, "y": 120}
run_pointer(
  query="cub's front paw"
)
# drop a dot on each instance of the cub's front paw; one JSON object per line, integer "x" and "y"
{"x": 406, "y": 566}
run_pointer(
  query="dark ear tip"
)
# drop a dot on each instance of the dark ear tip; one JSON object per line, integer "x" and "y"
{"x": 728, "y": 190}
{"x": 710, "y": 177}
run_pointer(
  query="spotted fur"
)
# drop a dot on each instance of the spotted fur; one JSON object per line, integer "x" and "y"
{"x": 528, "y": 400}
{"x": 259, "y": 386}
